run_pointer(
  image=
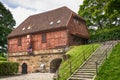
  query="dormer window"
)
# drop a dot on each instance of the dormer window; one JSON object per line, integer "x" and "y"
{"x": 28, "y": 36}
{"x": 77, "y": 22}
{"x": 51, "y": 22}
{"x": 23, "y": 28}
{"x": 29, "y": 27}
{"x": 58, "y": 21}
{"x": 74, "y": 20}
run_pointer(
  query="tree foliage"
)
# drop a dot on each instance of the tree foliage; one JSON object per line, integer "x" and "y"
{"x": 6, "y": 25}
{"x": 101, "y": 13}
{"x": 105, "y": 34}
{"x": 8, "y": 68}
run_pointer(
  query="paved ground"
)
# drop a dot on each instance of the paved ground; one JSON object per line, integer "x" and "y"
{"x": 31, "y": 76}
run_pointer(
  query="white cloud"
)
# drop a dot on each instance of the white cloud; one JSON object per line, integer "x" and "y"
{"x": 20, "y": 14}
{"x": 26, "y": 8}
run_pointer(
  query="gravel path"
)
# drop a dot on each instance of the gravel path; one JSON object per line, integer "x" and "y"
{"x": 31, "y": 76}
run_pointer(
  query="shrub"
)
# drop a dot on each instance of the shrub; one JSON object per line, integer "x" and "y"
{"x": 105, "y": 34}
{"x": 2, "y": 59}
{"x": 8, "y": 68}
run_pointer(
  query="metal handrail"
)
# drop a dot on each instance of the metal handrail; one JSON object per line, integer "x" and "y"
{"x": 82, "y": 57}
{"x": 104, "y": 53}
{"x": 75, "y": 60}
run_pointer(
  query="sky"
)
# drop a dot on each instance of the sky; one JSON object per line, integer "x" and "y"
{"x": 21, "y": 9}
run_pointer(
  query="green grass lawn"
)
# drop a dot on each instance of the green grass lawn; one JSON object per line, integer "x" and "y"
{"x": 110, "y": 70}
{"x": 78, "y": 54}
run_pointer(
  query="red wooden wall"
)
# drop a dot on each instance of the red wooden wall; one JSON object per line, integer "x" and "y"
{"x": 54, "y": 39}
{"x": 78, "y": 27}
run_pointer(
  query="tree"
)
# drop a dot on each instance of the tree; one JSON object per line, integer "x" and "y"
{"x": 6, "y": 25}
{"x": 98, "y": 13}
{"x": 113, "y": 11}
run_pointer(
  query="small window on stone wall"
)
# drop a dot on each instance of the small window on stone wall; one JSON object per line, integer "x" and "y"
{"x": 19, "y": 41}
{"x": 43, "y": 38}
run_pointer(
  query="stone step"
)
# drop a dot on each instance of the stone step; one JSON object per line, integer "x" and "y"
{"x": 83, "y": 76}
{"x": 97, "y": 55}
{"x": 95, "y": 59}
{"x": 88, "y": 67}
{"x": 90, "y": 63}
{"x": 93, "y": 62}
{"x": 81, "y": 69}
{"x": 93, "y": 67}
{"x": 86, "y": 71}
{"x": 78, "y": 78}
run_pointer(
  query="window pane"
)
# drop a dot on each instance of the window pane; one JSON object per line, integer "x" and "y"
{"x": 43, "y": 38}
{"x": 19, "y": 41}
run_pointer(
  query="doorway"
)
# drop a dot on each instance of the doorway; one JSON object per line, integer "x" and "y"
{"x": 24, "y": 68}
{"x": 54, "y": 65}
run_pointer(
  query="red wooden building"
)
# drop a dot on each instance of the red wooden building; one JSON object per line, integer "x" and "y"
{"x": 46, "y": 31}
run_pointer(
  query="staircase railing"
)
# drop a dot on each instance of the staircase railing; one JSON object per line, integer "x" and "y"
{"x": 70, "y": 63}
{"x": 104, "y": 53}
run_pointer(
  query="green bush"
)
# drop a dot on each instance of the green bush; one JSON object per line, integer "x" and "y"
{"x": 8, "y": 68}
{"x": 3, "y": 59}
{"x": 105, "y": 34}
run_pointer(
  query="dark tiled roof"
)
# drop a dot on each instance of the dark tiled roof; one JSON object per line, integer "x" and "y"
{"x": 43, "y": 21}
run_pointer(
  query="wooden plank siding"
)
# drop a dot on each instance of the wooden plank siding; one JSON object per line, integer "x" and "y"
{"x": 78, "y": 27}
{"x": 53, "y": 40}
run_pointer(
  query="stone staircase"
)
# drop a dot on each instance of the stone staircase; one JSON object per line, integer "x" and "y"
{"x": 89, "y": 68}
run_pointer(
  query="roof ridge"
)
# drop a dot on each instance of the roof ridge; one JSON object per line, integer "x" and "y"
{"x": 57, "y": 9}
{"x": 52, "y": 10}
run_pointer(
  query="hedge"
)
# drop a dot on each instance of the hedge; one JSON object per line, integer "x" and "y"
{"x": 8, "y": 68}
{"x": 3, "y": 59}
{"x": 105, "y": 35}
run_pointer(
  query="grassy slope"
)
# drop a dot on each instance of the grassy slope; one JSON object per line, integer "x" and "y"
{"x": 110, "y": 70}
{"x": 76, "y": 59}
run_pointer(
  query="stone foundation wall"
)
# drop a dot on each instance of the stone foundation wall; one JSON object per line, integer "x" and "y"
{"x": 34, "y": 61}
